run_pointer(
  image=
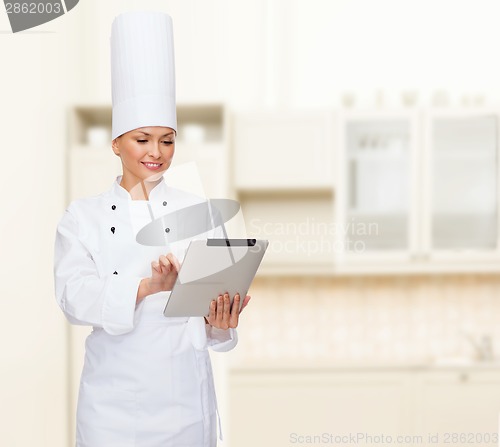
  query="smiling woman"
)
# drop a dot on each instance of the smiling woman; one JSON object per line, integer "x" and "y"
{"x": 147, "y": 379}
{"x": 146, "y": 153}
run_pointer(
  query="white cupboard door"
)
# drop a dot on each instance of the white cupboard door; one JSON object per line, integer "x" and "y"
{"x": 282, "y": 149}
{"x": 462, "y": 185}
{"x": 377, "y": 191}
{"x": 460, "y": 407}
{"x": 282, "y": 408}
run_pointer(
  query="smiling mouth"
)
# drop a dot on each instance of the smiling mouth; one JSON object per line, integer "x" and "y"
{"x": 152, "y": 166}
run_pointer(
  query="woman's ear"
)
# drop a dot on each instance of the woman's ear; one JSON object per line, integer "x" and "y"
{"x": 114, "y": 146}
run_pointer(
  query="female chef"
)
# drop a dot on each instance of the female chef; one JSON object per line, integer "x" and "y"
{"x": 147, "y": 379}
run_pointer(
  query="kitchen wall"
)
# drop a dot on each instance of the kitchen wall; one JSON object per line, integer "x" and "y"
{"x": 369, "y": 320}
{"x": 38, "y": 75}
{"x": 298, "y": 53}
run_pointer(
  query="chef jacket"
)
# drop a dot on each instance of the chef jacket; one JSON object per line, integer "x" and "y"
{"x": 147, "y": 379}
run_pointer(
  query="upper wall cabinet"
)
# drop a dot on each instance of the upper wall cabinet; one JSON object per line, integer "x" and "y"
{"x": 281, "y": 173}
{"x": 461, "y": 199}
{"x": 418, "y": 191}
{"x": 282, "y": 149}
{"x": 376, "y": 165}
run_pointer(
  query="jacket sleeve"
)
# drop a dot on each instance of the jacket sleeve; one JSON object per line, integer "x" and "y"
{"x": 84, "y": 297}
{"x": 221, "y": 339}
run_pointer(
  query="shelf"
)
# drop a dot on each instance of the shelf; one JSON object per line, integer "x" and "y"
{"x": 323, "y": 270}
{"x": 377, "y": 268}
{"x": 82, "y": 118}
{"x": 463, "y": 155}
{"x": 200, "y": 112}
{"x": 201, "y": 123}
{"x": 267, "y": 191}
{"x": 377, "y": 213}
{"x": 319, "y": 366}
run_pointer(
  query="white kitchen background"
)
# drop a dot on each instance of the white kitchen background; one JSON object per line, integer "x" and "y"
{"x": 322, "y": 117}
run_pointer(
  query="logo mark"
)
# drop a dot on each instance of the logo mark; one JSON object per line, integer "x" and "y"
{"x": 24, "y": 15}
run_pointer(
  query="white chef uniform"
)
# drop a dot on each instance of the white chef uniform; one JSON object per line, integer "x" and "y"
{"x": 147, "y": 379}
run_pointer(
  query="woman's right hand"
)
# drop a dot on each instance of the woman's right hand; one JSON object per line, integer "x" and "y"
{"x": 163, "y": 273}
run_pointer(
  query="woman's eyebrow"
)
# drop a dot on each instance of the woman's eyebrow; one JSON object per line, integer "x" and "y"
{"x": 145, "y": 133}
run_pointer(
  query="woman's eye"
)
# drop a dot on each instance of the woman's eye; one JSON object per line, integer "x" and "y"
{"x": 145, "y": 141}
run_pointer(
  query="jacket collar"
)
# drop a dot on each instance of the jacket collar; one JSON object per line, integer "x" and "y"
{"x": 158, "y": 192}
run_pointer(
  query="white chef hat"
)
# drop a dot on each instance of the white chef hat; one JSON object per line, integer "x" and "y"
{"x": 142, "y": 71}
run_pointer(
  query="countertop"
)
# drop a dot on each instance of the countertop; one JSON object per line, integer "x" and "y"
{"x": 368, "y": 365}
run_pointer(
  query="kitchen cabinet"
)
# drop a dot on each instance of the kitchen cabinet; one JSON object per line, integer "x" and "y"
{"x": 460, "y": 406}
{"x": 282, "y": 149}
{"x": 461, "y": 200}
{"x": 390, "y": 401}
{"x": 376, "y": 172}
{"x": 284, "y": 407}
{"x": 282, "y": 163}
{"x": 402, "y": 191}
{"x": 417, "y": 191}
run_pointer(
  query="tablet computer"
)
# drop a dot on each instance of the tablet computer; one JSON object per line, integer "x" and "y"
{"x": 210, "y": 268}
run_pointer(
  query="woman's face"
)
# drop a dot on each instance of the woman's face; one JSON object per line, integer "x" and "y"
{"x": 146, "y": 152}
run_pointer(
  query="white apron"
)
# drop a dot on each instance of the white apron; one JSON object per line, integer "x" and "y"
{"x": 147, "y": 380}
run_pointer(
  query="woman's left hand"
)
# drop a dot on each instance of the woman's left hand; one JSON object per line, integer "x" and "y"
{"x": 224, "y": 316}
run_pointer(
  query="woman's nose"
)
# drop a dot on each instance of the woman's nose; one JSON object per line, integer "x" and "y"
{"x": 154, "y": 150}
